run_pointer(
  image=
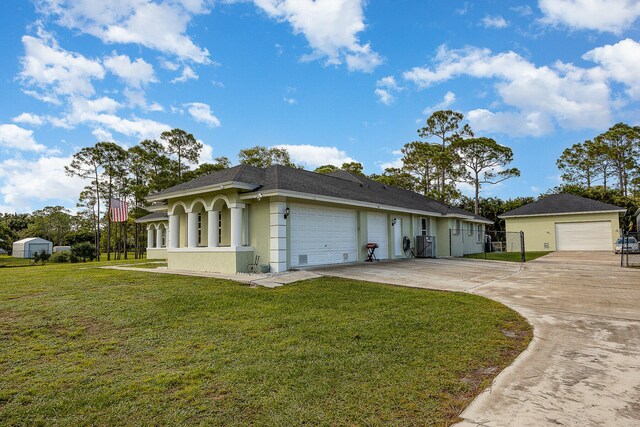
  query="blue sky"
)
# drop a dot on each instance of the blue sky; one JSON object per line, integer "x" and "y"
{"x": 331, "y": 80}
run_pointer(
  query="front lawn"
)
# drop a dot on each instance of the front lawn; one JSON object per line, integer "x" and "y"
{"x": 8, "y": 261}
{"x": 86, "y": 346}
{"x": 508, "y": 256}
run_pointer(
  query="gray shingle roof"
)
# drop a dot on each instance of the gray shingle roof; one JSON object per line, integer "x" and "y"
{"x": 154, "y": 216}
{"x": 562, "y": 204}
{"x": 341, "y": 184}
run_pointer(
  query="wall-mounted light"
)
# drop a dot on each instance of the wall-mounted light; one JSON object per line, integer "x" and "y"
{"x": 259, "y": 197}
{"x": 393, "y": 222}
{"x": 286, "y": 213}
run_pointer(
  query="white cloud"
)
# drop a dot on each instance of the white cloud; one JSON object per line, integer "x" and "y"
{"x": 56, "y": 71}
{"x": 573, "y": 97}
{"x": 206, "y": 155}
{"x": 385, "y": 96}
{"x": 29, "y": 119}
{"x": 620, "y": 62}
{"x": 202, "y": 113}
{"x": 523, "y": 10}
{"x": 158, "y": 26}
{"x": 290, "y": 101}
{"x": 26, "y": 184}
{"x": 102, "y": 134}
{"x": 517, "y": 124}
{"x": 331, "y": 27}
{"x": 134, "y": 73}
{"x": 312, "y": 156}
{"x": 100, "y": 113}
{"x": 386, "y": 88}
{"x": 494, "y": 22}
{"x": 187, "y": 74}
{"x": 601, "y": 15}
{"x": 168, "y": 65}
{"x": 447, "y": 101}
{"x": 17, "y": 138}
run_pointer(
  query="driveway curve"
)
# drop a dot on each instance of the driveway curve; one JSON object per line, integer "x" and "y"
{"x": 582, "y": 367}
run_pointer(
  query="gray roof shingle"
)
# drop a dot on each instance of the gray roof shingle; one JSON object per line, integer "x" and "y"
{"x": 154, "y": 216}
{"x": 563, "y": 203}
{"x": 340, "y": 184}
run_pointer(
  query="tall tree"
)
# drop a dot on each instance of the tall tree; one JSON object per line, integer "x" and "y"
{"x": 446, "y": 127}
{"x": 326, "y": 169}
{"x": 622, "y": 142}
{"x": 262, "y": 157}
{"x": 421, "y": 160}
{"x": 52, "y": 223}
{"x": 87, "y": 164}
{"x": 221, "y": 163}
{"x": 396, "y": 177}
{"x": 579, "y": 164}
{"x": 114, "y": 164}
{"x": 484, "y": 160}
{"x": 353, "y": 167}
{"x": 184, "y": 146}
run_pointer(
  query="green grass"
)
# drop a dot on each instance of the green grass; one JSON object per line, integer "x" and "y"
{"x": 508, "y": 256}
{"x": 87, "y": 346}
{"x": 7, "y": 261}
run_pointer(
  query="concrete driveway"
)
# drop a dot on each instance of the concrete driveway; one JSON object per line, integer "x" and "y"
{"x": 583, "y": 365}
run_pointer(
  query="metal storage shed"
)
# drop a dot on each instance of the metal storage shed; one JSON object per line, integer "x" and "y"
{"x": 25, "y": 248}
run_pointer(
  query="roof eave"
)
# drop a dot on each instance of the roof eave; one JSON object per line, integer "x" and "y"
{"x": 562, "y": 213}
{"x": 337, "y": 200}
{"x": 205, "y": 189}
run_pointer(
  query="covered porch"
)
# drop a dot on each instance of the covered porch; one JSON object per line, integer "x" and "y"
{"x": 209, "y": 234}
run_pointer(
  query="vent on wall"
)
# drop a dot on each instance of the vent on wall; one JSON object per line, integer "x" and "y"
{"x": 302, "y": 260}
{"x": 546, "y": 245}
{"x": 345, "y": 256}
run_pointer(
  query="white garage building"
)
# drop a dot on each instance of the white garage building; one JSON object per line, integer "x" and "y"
{"x": 26, "y": 248}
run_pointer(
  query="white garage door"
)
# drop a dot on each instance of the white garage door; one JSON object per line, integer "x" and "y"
{"x": 321, "y": 235}
{"x": 378, "y": 233}
{"x": 584, "y": 236}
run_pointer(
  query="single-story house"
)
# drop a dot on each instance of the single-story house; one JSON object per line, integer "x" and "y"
{"x": 565, "y": 222}
{"x": 26, "y": 248}
{"x": 292, "y": 218}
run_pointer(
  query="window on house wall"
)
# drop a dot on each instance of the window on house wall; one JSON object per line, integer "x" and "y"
{"x": 163, "y": 238}
{"x": 470, "y": 229}
{"x": 424, "y": 226}
{"x": 479, "y": 234}
{"x": 220, "y": 227}
{"x": 456, "y": 227}
{"x": 199, "y": 229}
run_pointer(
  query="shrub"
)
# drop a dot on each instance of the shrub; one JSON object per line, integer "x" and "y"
{"x": 41, "y": 256}
{"x": 84, "y": 251}
{"x": 62, "y": 256}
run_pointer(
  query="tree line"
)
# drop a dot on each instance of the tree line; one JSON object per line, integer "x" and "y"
{"x": 447, "y": 152}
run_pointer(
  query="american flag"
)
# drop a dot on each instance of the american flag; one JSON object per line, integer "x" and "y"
{"x": 118, "y": 210}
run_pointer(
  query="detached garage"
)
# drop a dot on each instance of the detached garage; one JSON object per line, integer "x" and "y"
{"x": 566, "y": 222}
{"x": 26, "y": 248}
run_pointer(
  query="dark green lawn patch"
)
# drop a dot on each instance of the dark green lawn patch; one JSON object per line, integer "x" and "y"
{"x": 88, "y": 346}
{"x": 508, "y": 256}
{"x": 7, "y": 261}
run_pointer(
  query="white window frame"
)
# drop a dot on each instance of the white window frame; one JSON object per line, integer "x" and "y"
{"x": 456, "y": 227}
{"x": 479, "y": 234}
{"x": 426, "y": 230}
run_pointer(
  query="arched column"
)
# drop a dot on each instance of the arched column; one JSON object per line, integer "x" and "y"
{"x": 150, "y": 232}
{"x": 159, "y": 237}
{"x": 212, "y": 228}
{"x": 192, "y": 229}
{"x": 174, "y": 231}
{"x": 236, "y": 224}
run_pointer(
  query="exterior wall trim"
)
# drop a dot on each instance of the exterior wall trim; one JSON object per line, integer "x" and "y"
{"x": 563, "y": 213}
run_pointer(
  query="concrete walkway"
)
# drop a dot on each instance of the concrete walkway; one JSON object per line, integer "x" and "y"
{"x": 583, "y": 366}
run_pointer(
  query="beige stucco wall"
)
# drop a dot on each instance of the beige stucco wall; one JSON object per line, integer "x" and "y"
{"x": 442, "y": 226}
{"x": 155, "y": 253}
{"x": 539, "y": 230}
{"x": 259, "y": 236}
{"x": 221, "y": 260}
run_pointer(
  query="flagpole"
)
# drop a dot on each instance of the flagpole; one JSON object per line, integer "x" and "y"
{"x": 109, "y": 229}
